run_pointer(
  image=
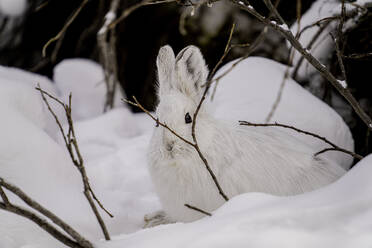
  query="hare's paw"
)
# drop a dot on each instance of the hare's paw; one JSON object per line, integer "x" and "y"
{"x": 156, "y": 218}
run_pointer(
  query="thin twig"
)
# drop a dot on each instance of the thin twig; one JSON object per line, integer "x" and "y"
{"x": 290, "y": 61}
{"x": 339, "y": 58}
{"x": 134, "y": 7}
{"x": 35, "y": 205}
{"x": 198, "y": 209}
{"x": 226, "y": 51}
{"x": 73, "y": 148}
{"x": 318, "y": 23}
{"x": 358, "y": 56}
{"x": 194, "y": 144}
{"x": 138, "y": 105}
{"x": 4, "y": 196}
{"x": 283, "y": 30}
{"x": 335, "y": 147}
{"x": 65, "y": 27}
{"x": 41, "y": 6}
{"x": 309, "y": 47}
{"x": 43, "y": 224}
{"x": 251, "y": 48}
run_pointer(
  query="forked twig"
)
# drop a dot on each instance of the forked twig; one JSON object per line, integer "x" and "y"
{"x": 73, "y": 148}
{"x": 78, "y": 242}
{"x": 284, "y": 30}
{"x": 334, "y": 146}
{"x": 194, "y": 144}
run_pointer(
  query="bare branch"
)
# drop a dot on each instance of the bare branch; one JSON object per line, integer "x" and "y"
{"x": 138, "y": 105}
{"x": 43, "y": 224}
{"x": 4, "y": 196}
{"x": 290, "y": 61}
{"x": 309, "y": 46}
{"x": 358, "y": 56}
{"x": 198, "y": 209}
{"x": 251, "y": 48}
{"x": 194, "y": 145}
{"x": 73, "y": 148}
{"x": 335, "y": 147}
{"x": 33, "y": 204}
{"x": 134, "y": 7}
{"x": 339, "y": 58}
{"x": 65, "y": 27}
{"x": 284, "y": 30}
{"x": 106, "y": 39}
{"x": 226, "y": 51}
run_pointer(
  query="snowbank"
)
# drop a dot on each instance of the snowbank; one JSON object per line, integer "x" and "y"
{"x": 114, "y": 147}
{"x": 249, "y": 91}
{"x": 18, "y": 93}
{"x": 336, "y": 216}
{"x": 320, "y": 9}
{"x": 85, "y": 80}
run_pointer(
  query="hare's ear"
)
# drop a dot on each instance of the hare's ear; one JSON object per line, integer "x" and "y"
{"x": 166, "y": 66}
{"x": 192, "y": 71}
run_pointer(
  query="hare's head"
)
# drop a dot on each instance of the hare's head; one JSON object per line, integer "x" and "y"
{"x": 180, "y": 90}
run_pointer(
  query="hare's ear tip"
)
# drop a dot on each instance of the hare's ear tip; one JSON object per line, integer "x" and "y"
{"x": 192, "y": 47}
{"x": 166, "y": 55}
{"x": 166, "y": 50}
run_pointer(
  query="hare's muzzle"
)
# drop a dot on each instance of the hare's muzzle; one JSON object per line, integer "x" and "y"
{"x": 169, "y": 146}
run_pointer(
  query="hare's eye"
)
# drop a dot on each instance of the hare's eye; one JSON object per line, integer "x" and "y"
{"x": 188, "y": 118}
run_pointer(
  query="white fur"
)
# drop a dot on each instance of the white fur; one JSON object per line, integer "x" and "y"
{"x": 244, "y": 159}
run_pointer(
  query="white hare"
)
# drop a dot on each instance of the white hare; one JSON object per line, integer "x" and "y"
{"x": 244, "y": 159}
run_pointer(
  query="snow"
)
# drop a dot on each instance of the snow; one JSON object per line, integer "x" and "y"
{"x": 343, "y": 83}
{"x": 249, "y": 91}
{"x": 13, "y": 8}
{"x": 85, "y": 79}
{"x": 114, "y": 147}
{"x": 335, "y": 216}
{"x": 18, "y": 92}
{"x": 320, "y": 50}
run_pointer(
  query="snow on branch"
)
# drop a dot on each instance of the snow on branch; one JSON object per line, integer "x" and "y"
{"x": 307, "y": 55}
{"x": 106, "y": 40}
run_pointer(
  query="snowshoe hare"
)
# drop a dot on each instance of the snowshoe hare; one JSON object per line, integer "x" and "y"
{"x": 244, "y": 159}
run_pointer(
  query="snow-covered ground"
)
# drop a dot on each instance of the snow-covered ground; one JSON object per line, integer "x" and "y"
{"x": 114, "y": 144}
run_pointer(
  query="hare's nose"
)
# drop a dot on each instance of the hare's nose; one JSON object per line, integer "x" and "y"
{"x": 169, "y": 146}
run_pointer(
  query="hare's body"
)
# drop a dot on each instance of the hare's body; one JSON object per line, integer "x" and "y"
{"x": 244, "y": 159}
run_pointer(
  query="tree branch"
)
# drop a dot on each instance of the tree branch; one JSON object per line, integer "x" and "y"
{"x": 106, "y": 39}
{"x": 65, "y": 27}
{"x": 335, "y": 147}
{"x": 194, "y": 145}
{"x": 6, "y": 205}
{"x": 73, "y": 148}
{"x": 284, "y": 31}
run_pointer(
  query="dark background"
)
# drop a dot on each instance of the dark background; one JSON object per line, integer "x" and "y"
{"x": 147, "y": 29}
